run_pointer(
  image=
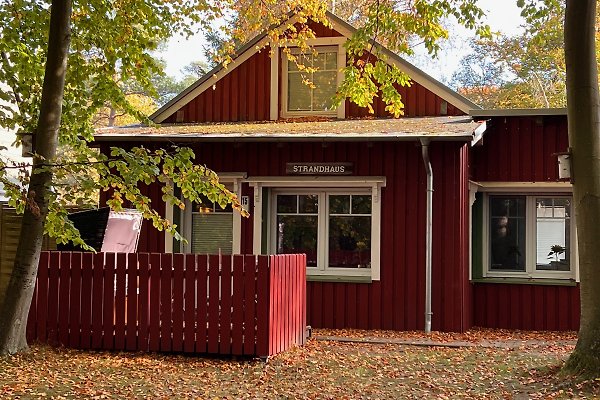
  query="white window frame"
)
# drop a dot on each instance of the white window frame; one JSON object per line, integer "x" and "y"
{"x": 535, "y": 191}
{"x": 329, "y": 184}
{"x": 322, "y": 267}
{"x": 320, "y": 45}
{"x": 233, "y": 180}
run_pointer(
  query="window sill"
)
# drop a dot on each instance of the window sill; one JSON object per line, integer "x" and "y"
{"x": 528, "y": 281}
{"x": 338, "y": 278}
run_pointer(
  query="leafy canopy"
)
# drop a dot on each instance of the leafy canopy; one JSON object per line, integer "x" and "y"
{"x": 111, "y": 52}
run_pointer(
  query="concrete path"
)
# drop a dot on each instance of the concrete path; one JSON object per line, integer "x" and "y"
{"x": 503, "y": 344}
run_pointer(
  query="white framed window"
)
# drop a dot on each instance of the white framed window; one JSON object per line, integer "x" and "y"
{"x": 529, "y": 235}
{"x": 327, "y": 57}
{"x": 208, "y": 228}
{"x": 335, "y": 221}
{"x": 333, "y": 228}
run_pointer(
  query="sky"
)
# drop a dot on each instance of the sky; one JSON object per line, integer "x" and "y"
{"x": 502, "y": 16}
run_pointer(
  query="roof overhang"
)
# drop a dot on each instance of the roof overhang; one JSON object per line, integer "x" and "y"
{"x": 517, "y": 112}
{"x": 403, "y": 129}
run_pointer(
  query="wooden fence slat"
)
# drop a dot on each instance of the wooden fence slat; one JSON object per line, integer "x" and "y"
{"x": 262, "y": 302}
{"x": 75, "y": 301}
{"x": 154, "y": 333}
{"x": 213, "y": 303}
{"x": 166, "y": 281}
{"x": 143, "y": 301}
{"x": 249, "y": 304}
{"x": 86, "y": 300}
{"x": 237, "y": 318}
{"x": 131, "y": 330}
{"x": 53, "y": 288}
{"x": 97, "y": 300}
{"x": 272, "y": 295}
{"x": 63, "y": 298}
{"x": 120, "y": 300}
{"x": 42, "y": 294}
{"x": 225, "y": 315}
{"x": 189, "y": 316}
{"x": 201, "y": 303}
{"x": 108, "y": 320}
{"x": 178, "y": 302}
{"x": 303, "y": 296}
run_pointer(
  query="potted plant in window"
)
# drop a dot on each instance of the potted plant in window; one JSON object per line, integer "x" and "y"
{"x": 555, "y": 251}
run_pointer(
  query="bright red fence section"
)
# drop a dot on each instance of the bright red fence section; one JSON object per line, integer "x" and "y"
{"x": 233, "y": 305}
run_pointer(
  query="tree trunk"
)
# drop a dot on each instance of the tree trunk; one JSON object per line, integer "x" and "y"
{"x": 584, "y": 138}
{"x": 15, "y": 309}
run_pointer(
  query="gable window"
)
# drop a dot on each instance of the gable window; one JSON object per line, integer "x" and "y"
{"x": 309, "y": 83}
{"x": 529, "y": 236}
{"x": 317, "y": 97}
{"x": 333, "y": 227}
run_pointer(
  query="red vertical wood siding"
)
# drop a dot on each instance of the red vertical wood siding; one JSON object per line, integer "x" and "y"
{"x": 520, "y": 149}
{"x": 264, "y": 295}
{"x": 397, "y": 300}
{"x": 526, "y": 307}
{"x": 241, "y": 95}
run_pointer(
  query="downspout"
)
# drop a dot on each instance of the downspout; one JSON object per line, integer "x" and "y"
{"x": 428, "y": 233}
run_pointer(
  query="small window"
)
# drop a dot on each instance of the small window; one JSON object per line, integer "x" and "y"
{"x": 318, "y": 97}
{"x": 212, "y": 228}
{"x": 530, "y": 236}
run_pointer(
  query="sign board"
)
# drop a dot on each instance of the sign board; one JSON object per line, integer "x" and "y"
{"x": 311, "y": 168}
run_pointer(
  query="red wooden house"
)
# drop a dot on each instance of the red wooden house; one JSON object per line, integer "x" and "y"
{"x": 352, "y": 193}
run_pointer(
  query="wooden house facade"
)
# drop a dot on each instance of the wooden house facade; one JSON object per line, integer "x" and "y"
{"x": 352, "y": 192}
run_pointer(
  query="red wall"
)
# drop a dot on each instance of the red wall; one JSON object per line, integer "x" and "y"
{"x": 526, "y": 307}
{"x": 520, "y": 149}
{"x": 244, "y": 95}
{"x": 397, "y": 300}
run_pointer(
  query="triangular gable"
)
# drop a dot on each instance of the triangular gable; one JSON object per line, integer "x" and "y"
{"x": 242, "y": 91}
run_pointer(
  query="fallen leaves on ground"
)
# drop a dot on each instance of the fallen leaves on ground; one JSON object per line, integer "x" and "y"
{"x": 320, "y": 369}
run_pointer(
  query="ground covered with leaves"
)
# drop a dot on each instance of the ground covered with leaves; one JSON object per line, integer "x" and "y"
{"x": 482, "y": 364}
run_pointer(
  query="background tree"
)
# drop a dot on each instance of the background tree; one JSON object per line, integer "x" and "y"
{"x": 521, "y": 71}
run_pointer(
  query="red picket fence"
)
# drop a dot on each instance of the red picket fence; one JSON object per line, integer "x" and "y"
{"x": 239, "y": 305}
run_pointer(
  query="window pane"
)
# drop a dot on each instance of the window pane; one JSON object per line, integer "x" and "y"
{"x": 298, "y": 93}
{"x": 325, "y": 88}
{"x": 339, "y": 204}
{"x": 350, "y": 242}
{"x": 319, "y": 61}
{"x": 287, "y": 203}
{"x": 331, "y": 61}
{"x": 308, "y": 204}
{"x": 553, "y": 228}
{"x": 507, "y": 233}
{"x": 298, "y": 234}
{"x": 212, "y": 233}
{"x": 361, "y": 204}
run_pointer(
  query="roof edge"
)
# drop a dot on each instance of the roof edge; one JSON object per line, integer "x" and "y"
{"x": 517, "y": 112}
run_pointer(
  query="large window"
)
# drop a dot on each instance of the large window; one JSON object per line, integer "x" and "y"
{"x": 310, "y": 82}
{"x": 530, "y": 235}
{"x": 333, "y": 227}
{"x": 212, "y": 228}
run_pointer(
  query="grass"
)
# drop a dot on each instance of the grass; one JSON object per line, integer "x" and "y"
{"x": 321, "y": 369}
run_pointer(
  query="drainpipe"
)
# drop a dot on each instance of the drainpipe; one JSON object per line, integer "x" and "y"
{"x": 428, "y": 233}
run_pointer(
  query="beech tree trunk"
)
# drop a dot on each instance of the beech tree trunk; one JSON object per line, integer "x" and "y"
{"x": 584, "y": 138}
{"x": 13, "y": 316}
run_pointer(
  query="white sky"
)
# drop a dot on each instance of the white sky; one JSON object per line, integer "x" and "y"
{"x": 503, "y": 16}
